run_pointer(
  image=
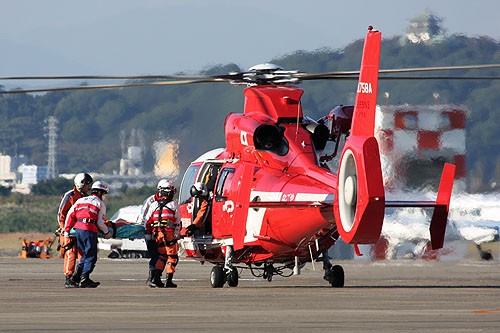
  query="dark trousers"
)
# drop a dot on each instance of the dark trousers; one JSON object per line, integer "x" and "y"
{"x": 153, "y": 253}
{"x": 87, "y": 242}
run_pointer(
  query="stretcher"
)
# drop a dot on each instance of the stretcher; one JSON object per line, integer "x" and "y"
{"x": 121, "y": 229}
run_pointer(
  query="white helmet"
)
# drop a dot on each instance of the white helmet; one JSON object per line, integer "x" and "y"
{"x": 199, "y": 189}
{"x": 166, "y": 186}
{"x": 99, "y": 185}
{"x": 82, "y": 179}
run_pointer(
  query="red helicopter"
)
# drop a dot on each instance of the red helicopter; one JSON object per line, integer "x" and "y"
{"x": 275, "y": 204}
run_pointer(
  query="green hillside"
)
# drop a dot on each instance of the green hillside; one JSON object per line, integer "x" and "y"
{"x": 90, "y": 122}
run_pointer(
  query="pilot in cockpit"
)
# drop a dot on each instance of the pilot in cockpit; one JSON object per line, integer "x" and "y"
{"x": 199, "y": 190}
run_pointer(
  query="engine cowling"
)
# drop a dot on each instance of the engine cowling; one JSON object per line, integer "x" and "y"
{"x": 360, "y": 201}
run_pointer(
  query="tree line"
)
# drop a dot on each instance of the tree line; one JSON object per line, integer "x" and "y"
{"x": 90, "y": 122}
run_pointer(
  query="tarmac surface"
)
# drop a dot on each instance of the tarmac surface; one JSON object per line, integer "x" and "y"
{"x": 379, "y": 296}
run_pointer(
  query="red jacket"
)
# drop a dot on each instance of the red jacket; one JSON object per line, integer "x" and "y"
{"x": 88, "y": 213}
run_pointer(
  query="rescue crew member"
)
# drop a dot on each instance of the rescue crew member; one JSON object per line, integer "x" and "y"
{"x": 87, "y": 216}
{"x": 163, "y": 225}
{"x": 200, "y": 190}
{"x": 70, "y": 250}
{"x": 151, "y": 243}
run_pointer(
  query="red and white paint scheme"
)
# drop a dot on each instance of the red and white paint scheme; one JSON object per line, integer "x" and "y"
{"x": 275, "y": 205}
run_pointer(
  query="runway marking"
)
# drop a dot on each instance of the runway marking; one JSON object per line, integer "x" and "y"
{"x": 487, "y": 311}
{"x": 172, "y": 279}
{"x": 189, "y": 279}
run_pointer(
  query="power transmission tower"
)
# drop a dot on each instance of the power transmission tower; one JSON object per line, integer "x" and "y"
{"x": 52, "y": 134}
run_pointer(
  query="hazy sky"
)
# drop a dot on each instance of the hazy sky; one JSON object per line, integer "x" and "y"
{"x": 62, "y": 37}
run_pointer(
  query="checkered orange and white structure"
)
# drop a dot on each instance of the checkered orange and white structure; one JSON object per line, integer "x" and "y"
{"x": 420, "y": 133}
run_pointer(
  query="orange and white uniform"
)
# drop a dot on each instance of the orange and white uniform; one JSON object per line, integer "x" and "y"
{"x": 163, "y": 223}
{"x": 202, "y": 214}
{"x": 71, "y": 253}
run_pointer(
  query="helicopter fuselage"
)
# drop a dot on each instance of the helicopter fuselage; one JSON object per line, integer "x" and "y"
{"x": 270, "y": 159}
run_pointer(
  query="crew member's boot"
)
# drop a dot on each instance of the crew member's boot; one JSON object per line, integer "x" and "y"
{"x": 69, "y": 283}
{"x": 169, "y": 283}
{"x": 87, "y": 282}
{"x": 150, "y": 277}
{"x": 150, "y": 281}
{"x": 77, "y": 275}
{"x": 157, "y": 279}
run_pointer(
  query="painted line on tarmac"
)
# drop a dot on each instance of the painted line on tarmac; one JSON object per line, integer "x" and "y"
{"x": 191, "y": 280}
{"x": 487, "y": 311}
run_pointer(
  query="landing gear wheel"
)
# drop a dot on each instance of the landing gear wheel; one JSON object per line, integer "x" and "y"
{"x": 217, "y": 277}
{"x": 336, "y": 276}
{"x": 232, "y": 278}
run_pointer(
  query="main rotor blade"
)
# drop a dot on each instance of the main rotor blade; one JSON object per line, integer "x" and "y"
{"x": 104, "y": 86}
{"x": 108, "y": 77}
{"x": 354, "y": 78}
{"x": 439, "y": 78}
{"x": 443, "y": 68}
{"x": 304, "y": 76}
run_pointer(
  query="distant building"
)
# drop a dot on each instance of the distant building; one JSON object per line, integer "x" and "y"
{"x": 424, "y": 28}
{"x": 132, "y": 163}
{"x": 32, "y": 174}
{"x": 133, "y": 149}
{"x": 8, "y": 168}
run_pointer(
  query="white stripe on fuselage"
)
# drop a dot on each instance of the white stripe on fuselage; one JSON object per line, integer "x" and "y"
{"x": 255, "y": 217}
{"x": 291, "y": 197}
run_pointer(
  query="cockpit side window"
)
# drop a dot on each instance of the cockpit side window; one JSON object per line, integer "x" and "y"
{"x": 187, "y": 182}
{"x": 224, "y": 184}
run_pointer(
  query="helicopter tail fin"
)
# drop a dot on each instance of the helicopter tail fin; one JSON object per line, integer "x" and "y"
{"x": 360, "y": 200}
{"x": 440, "y": 215}
{"x": 363, "y": 121}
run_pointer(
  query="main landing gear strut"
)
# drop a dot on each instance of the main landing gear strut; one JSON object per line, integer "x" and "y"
{"x": 334, "y": 274}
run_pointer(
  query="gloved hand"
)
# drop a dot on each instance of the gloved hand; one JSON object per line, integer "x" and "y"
{"x": 148, "y": 237}
{"x": 191, "y": 229}
{"x": 66, "y": 234}
{"x": 108, "y": 235}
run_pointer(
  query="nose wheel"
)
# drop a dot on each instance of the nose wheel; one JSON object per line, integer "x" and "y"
{"x": 217, "y": 276}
